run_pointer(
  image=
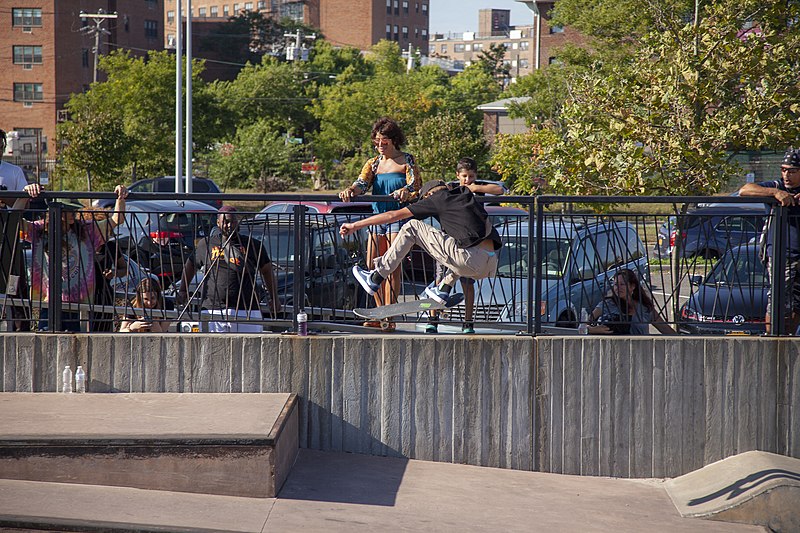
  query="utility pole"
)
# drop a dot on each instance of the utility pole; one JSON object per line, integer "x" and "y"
{"x": 98, "y": 19}
{"x": 295, "y": 51}
{"x": 410, "y": 63}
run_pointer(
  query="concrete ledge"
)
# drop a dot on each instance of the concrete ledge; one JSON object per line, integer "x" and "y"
{"x": 755, "y": 487}
{"x": 230, "y": 444}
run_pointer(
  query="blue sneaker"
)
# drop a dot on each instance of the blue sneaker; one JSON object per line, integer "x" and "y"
{"x": 436, "y": 294}
{"x": 468, "y": 328}
{"x": 364, "y": 277}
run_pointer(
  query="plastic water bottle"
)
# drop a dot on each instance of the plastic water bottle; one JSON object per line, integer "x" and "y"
{"x": 80, "y": 379}
{"x": 583, "y": 326}
{"x": 302, "y": 323}
{"x": 66, "y": 379}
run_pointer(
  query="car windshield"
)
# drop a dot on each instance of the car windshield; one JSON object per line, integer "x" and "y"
{"x": 513, "y": 259}
{"x": 740, "y": 266}
{"x": 196, "y": 224}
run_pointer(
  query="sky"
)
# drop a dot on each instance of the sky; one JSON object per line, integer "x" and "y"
{"x": 462, "y": 15}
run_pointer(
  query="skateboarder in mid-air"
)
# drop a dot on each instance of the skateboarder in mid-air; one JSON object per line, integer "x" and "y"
{"x": 466, "y": 245}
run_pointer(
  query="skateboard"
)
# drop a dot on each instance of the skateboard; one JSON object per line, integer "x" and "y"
{"x": 406, "y": 308}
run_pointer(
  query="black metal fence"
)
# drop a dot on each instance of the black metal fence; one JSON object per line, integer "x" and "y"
{"x": 698, "y": 261}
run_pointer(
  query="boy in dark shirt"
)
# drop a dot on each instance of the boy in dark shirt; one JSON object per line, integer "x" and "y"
{"x": 467, "y": 174}
{"x": 466, "y": 245}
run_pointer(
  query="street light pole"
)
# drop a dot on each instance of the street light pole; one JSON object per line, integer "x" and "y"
{"x": 98, "y": 19}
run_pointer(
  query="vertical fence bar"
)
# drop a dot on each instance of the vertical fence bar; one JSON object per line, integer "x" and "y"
{"x": 298, "y": 300}
{"x": 54, "y": 251}
{"x": 779, "y": 230}
{"x": 535, "y": 281}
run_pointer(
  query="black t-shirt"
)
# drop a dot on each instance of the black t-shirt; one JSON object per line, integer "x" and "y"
{"x": 460, "y": 215}
{"x": 231, "y": 271}
{"x": 793, "y": 237}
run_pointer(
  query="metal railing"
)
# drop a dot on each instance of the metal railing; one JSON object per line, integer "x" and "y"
{"x": 694, "y": 256}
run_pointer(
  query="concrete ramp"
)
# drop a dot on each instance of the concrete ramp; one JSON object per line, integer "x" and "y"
{"x": 759, "y": 488}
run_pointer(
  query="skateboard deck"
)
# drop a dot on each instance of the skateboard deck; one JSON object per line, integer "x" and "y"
{"x": 406, "y": 308}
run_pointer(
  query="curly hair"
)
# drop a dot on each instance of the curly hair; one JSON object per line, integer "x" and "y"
{"x": 389, "y": 129}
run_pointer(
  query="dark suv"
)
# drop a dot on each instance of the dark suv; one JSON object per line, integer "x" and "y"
{"x": 167, "y": 184}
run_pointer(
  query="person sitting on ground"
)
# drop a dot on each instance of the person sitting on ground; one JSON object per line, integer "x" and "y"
{"x": 466, "y": 245}
{"x": 627, "y": 310}
{"x": 467, "y": 174}
{"x": 149, "y": 298}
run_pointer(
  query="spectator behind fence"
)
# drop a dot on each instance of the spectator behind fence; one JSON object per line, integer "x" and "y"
{"x": 467, "y": 174}
{"x": 787, "y": 192}
{"x": 627, "y": 310}
{"x": 231, "y": 262}
{"x": 12, "y": 178}
{"x": 395, "y": 173}
{"x": 79, "y": 241}
{"x": 147, "y": 303}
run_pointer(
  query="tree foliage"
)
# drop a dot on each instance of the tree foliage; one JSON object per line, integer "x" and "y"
{"x": 440, "y": 140}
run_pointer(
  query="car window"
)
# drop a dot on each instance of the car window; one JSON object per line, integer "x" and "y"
{"x": 145, "y": 186}
{"x": 744, "y": 224}
{"x": 634, "y": 248}
{"x": 740, "y": 266}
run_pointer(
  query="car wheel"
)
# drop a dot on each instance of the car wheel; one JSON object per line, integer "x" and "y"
{"x": 566, "y": 320}
{"x": 709, "y": 254}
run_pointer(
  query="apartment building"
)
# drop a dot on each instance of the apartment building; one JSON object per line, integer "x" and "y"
{"x": 358, "y": 23}
{"x": 528, "y": 47}
{"x": 46, "y": 55}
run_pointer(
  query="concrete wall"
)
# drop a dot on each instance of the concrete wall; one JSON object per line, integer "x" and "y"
{"x": 632, "y": 407}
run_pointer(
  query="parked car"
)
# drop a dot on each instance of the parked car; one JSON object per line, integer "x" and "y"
{"x": 711, "y": 230}
{"x": 160, "y": 234}
{"x": 319, "y": 207}
{"x": 731, "y": 299}
{"x": 579, "y": 259}
{"x": 167, "y": 184}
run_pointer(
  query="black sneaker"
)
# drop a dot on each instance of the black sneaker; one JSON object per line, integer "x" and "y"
{"x": 468, "y": 328}
{"x": 430, "y": 327}
{"x": 364, "y": 278}
{"x": 438, "y": 295}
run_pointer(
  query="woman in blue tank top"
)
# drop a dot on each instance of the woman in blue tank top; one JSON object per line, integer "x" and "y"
{"x": 394, "y": 173}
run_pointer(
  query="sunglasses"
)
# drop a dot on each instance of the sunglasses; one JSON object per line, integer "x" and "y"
{"x": 381, "y": 142}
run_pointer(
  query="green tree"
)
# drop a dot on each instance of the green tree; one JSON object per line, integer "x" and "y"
{"x": 95, "y": 146}
{"x": 518, "y": 159}
{"x": 492, "y": 61}
{"x": 440, "y": 140}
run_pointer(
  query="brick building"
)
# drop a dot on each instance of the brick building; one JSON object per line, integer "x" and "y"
{"x": 528, "y": 47}
{"x": 358, "y": 23}
{"x": 46, "y": 54}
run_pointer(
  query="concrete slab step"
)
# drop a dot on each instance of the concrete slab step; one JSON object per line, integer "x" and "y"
{"x": 754, "y": 487}
{"x": 228, "y": 444}
{"x": 37, "y": 505}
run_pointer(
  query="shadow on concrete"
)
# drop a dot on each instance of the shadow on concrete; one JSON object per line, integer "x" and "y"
{"x": 746, "y": 484}
{"x": 344, "y": 478}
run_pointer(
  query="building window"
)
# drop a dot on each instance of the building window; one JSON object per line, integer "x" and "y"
{"x": 170, "y": 17}
{"x": 201, "y": 12}
{"x": 514, "y": 46}
{"x": 477, "y": 47}
{"x": 396, "y": 32}
{"x": 225, "y": 11}
{"x": 459, "y": 47}
{"x": 556, "y": 29}
{"x": 443, "y": 49}
{"x": 152, "y": 4}
{"x": 28, "y": 55}
{"x": 524, "y": 45}
{"x": 523, "y": 63}
{"x": 26, "y": 17}
{"x": 262, "y": 4}
{"x": 235, "y": 9}
{"x": 28, "y": 92}
{"x": 126, "y": 22}
{"x": 388, "y": 7}
{"x": 432, "y": 49}
{"x": 468, "y": 47}
{"x": 396, "y": 7}
{"x": 425, "y": 9}
{"x": 552, "y": 60}
{"x": 416, "y": 32}
{"x": 416, "y": 7}
{"x": 248, "y": 6}
{"x": 405, "y": 7}
{"x": 151, "y": 29}
{"x": 388, "y": 32}
{"x": 214, "y": 11}
{"x": 85, "y": 58}
{"x": 424, "y": 33}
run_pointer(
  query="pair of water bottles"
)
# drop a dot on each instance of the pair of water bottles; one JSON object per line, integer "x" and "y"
{"x": 66, "y": 380}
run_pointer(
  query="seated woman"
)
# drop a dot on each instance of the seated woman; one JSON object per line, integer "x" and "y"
{"x": 149, "y": 297}
{"x": 627, "y": 310}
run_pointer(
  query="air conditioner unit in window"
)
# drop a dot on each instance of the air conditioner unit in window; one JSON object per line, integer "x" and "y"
{"x": 27, "y": 104}
{"x": 27, "y": 29}
{"x": 27, "y": 66}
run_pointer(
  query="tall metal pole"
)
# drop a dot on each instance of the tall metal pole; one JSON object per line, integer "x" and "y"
{"x": 188, "y": 96}
{"x": 178, "y": 101}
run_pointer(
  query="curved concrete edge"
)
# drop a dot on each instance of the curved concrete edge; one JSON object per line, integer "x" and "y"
{"x": 755, "y": 487}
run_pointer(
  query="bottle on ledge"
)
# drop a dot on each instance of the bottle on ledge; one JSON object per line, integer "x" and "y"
{"x": 66, "y": 380}
{"x": 80, "y": 380}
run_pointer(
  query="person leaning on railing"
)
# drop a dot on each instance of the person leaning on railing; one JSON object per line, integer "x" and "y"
{"x": 627, "y": 310}
{"x": 79, "y": 241}
{"x": 787, "y": 192}
{"x": 149, "y": 300}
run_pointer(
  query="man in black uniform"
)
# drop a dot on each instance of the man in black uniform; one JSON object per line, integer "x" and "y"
{"x": 466, "y": 245}
{"x": 231, "y": 261}
{"x": 787, "y": 192}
